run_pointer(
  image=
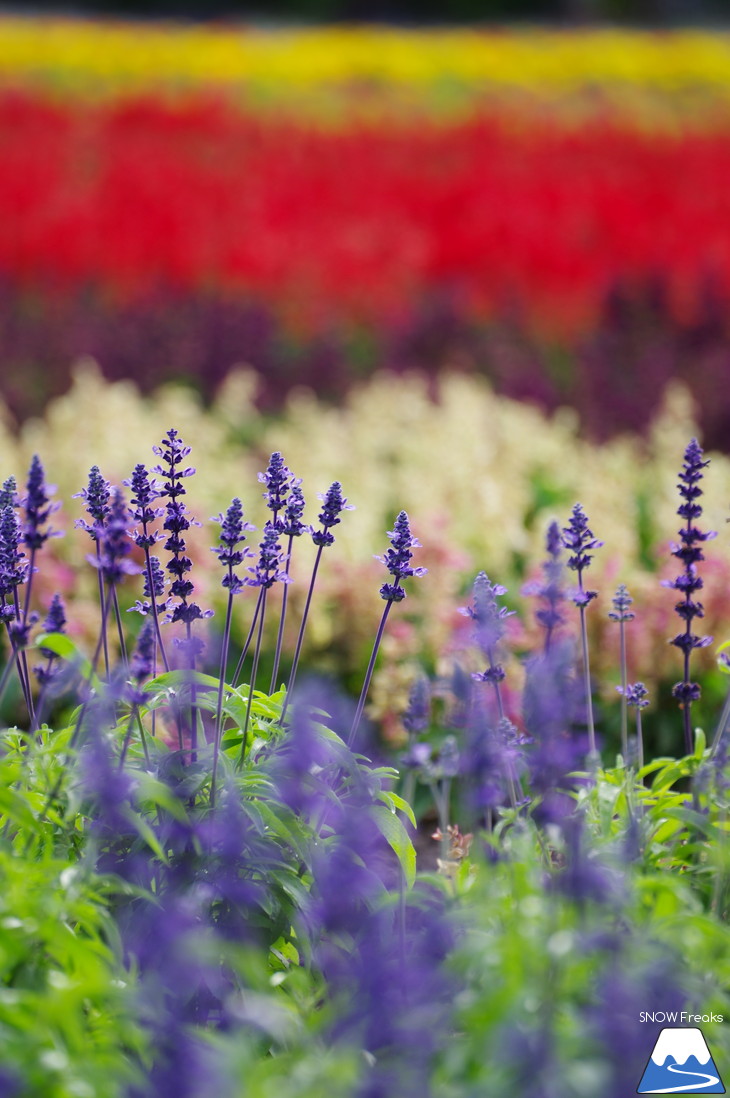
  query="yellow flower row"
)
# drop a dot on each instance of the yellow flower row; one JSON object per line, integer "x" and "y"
{"x": 129, "y": 56}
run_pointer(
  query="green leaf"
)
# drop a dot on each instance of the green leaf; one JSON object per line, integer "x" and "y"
{"x": 393, "y": 801}
{"x": 395, "y": 834}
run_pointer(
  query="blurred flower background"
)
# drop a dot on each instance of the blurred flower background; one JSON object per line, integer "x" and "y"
{"x": 478, "y": 271}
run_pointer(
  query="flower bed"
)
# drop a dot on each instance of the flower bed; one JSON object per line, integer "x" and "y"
{"x": 232, "y": 198}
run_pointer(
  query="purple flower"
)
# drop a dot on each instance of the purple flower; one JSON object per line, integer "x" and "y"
{"x": 142, "y": 663}
{"x": 272, "y": 560}
{"x": 333, "y": 503}
{"x": 233, "y": 532}
{"x": 38, "y": 507}
{"x": 578, "y": 539}
{"x": 13, "y": 565}
{"x": 55, "y": 622}
{"x": 636, "y": 694}
{"x": 418, "y": 714}
{"x": 550, "y": 703}
{"x": 9, "y": 494}
{"x": 551, "y": 589}
{"x": 144, "y": 606}
{"x": 144, "y": 492}
{"x": 689, "y": 552}
{"x": 173, "y": 452}
{"x": 397, "y": 559}
{"x": 114, "y": 543}
{"x": 96, "y": 496}
{"x": 278, "y": 480}
{"x": 291, "y": 524}
{"x": 622, "y": 600}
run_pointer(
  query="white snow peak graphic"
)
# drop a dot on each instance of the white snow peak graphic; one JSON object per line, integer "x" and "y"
{"x": 681, "y": 1063}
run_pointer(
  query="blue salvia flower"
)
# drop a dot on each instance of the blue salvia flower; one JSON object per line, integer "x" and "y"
{"x": 578, "y": 539}
{"x": 55, "y": 622}
{"x": 689, "y": 552}
{"x": 417, "y": 716}
{"x": 142, "y": 663}
{"x": 549, "y": 704}
{"x": 144, "y": 492}
{"x": 278, "y": 480}
{"x": 115, "y": 544}
{"x": 38, "y": 507}
{"x": 173, "y": 452}
{"x": 13, "y": 565}
{"x": 551, "y": 588}
{"x": 144, "y": 606}
{"x": 333, "y": 504}
{"x": 486, "y": 613}
{"x": 621, "y": 601}
{"x": 96, "y": 496}
{"x": 233, "y": 533}
{"x": 271, "y": 565}
{"x": 9, "y": 494}
{"x": 636, "y": 694}
{"x": 398, "y": 558}
{"x": 291, "y": 524}
{"x": 489, "y": 618}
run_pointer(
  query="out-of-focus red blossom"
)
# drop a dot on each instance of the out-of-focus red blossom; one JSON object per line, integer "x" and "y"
{"x": 356, "y": 222}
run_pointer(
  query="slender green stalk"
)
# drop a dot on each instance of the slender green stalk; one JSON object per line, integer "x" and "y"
{"x": 247, "y": 643}
{"x": 369, "y": 674}
{"x": 587, "y": 682}
{"x": 280, "y": 634}
{"x": 254, "y": 672}
{"x": 219, "y": 705}
{"x": 300, "y": 638}
{"x": 624, "y": 702}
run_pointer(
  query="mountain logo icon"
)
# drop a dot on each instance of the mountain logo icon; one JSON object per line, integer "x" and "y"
{"x": 681, "y": 1063}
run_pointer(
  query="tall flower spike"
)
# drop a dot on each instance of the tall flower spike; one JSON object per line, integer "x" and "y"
{"x": 96, "y": 496}
{"x": 550, "y": 589}
{"x": 9, "y": 494}
{"x": 488, "y": 617}
{"x": 13, "y": 565}
{"x": 173, "y": 452}
{"x": 622, "y": 614}
{"x": 55, "y": 622}
{"x": 278, "y": 480}
{"x": 689, "y": 552}
{"x": 291, "y": 524}
{"x": 144, "y": 492}
{"x": 333, "y": 503}
{"x": 397, "y": 559}
{"x": 144, "y": 606}
{"x": 578, "y": 540}
{"x": 114, "y": 542}
{"x": 233, "y": 533}
{"x": 38, "y": 507}
{"x": 271, "y": 566}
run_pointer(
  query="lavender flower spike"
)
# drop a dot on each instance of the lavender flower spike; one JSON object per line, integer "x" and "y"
{"x": 96, "y": 497}
{"x": 622, "y": 600}
{"x": 278, "y": 480}
{"x": 333, "y": 503}
{"x": 397, "y": 560}
{"x": 689, "y": 552}
{"x": 551, "y": 589}
{"x": 578, "y": 539}
{"x": 637, "y": 696}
